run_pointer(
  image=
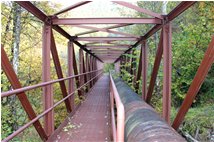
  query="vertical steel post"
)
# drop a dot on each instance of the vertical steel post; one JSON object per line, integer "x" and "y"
{"x": 76, "y": 73}
{"x": 144, "y": 69}
{"x": 81, "y": 69}
{"x": 96, "y": 73}
{"x": 139, "y": 71}
{"x": 71, "y": 73}
{"x": 87, "y": 69}
{"x": 90, "y": 68}
{"x": 167, "y": 68}
{"x": 84, "y": 76}
{"x": 46, "y": 76}
{"x": 133, "y": 67}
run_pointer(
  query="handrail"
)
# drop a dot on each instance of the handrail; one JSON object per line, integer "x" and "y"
{"x": 9, "y": 93}
{"x": 118, "y": 131}
{"x": 45, "y": 112}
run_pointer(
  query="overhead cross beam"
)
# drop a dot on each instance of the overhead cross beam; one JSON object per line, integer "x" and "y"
{"x": 139, "y": 9}
{"x": 108, "y": 46}
{"x": 101, "y": 39}
{"x": 109, "y": 27}
{"x": 72, "y": 7}
{"x": 105, "y": 30}
{"x": 78, "y": 21}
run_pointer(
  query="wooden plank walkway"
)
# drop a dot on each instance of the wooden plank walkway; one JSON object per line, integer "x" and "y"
{"x": 91, "y": 122}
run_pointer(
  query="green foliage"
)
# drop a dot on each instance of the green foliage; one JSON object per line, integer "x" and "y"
{"x": 107, "y": 67}
{"x": 199, "y": 122}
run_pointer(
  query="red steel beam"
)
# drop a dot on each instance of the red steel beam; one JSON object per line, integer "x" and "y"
{"x": 179, "y": 9}
{"x": 72, "y": 7}
{"x": 76, "y": 71}
{"x": 46, "y": 76}
{"x": 59, "y": 72}
{"x": 81, "y": 78}
{"x": 87, "y": 69}
{"x": 132, "y": 62}
{"x": 99, "y": 39}
{"x": 139, "y": 71}
{"x": 107, "y": 51}
{"x": 105, "y": 30}
{"x": 108, "y": 46}
{"x": 203, "y": 69}
{"x": 71, "y": 86}
{"x": 144, "y": 69}
{"x": 104, "y": 49}
{"x": 156, "y": 66}
{"x": 167, "y": 70}
{"x": 139, "y": 9}
{"x": 109, "y": 27}
{"x": 85, "y": 76}
{"x": 34, "y": 10}
{"x": 91, "y": 69}
{"x": 77, "y": 21}
{"x": 13, "y": 79}
{"x": 171, "y": 16}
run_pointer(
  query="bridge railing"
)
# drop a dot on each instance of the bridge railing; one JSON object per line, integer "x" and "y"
{"x": 94, "y": 75}
{"x": 118, "y": 128}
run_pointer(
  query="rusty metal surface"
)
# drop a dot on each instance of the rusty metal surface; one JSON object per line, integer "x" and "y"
{"x": 142, "y": 123}
{"x": 91, "y": 122}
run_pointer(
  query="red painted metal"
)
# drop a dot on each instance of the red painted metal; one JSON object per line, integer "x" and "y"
{"x": 13, "y": 79}
{"x": 77, "y": 21}
{"x": 144, "y": 69}
{"x": 59, "y": 72}
{"x": 84, "y": 70}
{"x": 133, "y": 66}
{"x": 24, "y": 89}
{"x": 105, "y": 30}
{"x": 107, "y": 51}
{"x": 72, "y": 7}
{"x": 139, "y": 9}
{"x": 107, "y": 46}
{"x": 156, "y": 66}
{"x": 71, "y": 84}
{"x": 109, "y": 27}
{"x": 35, "y": 119}
{"x": 81, "y": 78}
{"x": 201, "y": 73}
{"x": 87, "y": 69}
{"x": 91, "y": 68}
{"x": 46, "y": 76}
{"x": 120, "y": 126}
{"x": 105, "y": 38}
{"x": 167, "y": 71}
{"x": 179, "y": 9}
{"x": 139, "y": 71}
{"x": 32, "y": 9}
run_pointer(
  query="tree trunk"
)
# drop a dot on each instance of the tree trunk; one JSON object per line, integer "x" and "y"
{"x": 15, "y": 56}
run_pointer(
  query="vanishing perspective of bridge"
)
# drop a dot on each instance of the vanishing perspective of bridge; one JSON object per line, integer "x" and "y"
{"x": 111, "y": 110}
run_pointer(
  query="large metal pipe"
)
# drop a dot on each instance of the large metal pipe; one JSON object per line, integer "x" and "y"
{"x": 142, "y": 122}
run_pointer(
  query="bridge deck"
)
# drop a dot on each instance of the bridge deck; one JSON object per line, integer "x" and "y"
{"x": 91, "y": 122}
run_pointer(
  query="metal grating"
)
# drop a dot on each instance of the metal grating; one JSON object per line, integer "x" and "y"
{"x": 91, "y": 122}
